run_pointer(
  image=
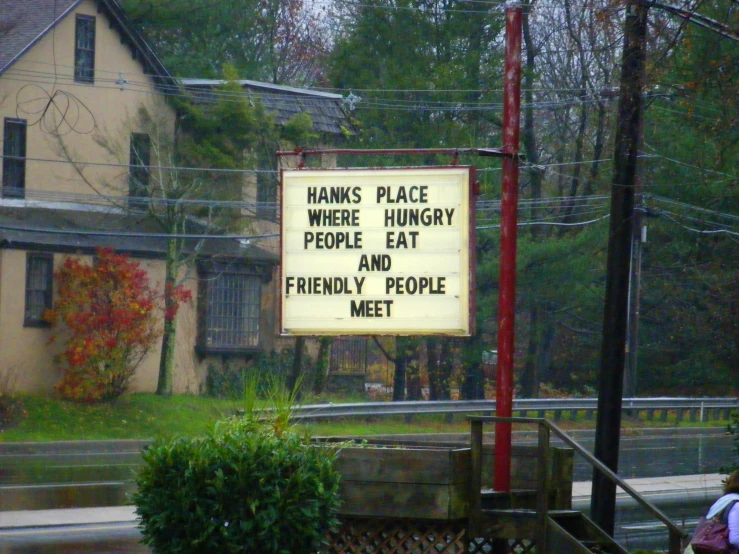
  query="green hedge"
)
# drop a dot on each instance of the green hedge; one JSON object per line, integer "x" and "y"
{"x": 248, "y": 487}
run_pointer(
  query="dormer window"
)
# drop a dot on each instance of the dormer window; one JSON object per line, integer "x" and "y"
{"x": 84, "y": 49}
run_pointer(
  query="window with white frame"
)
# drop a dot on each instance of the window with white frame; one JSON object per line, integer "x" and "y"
{"x": 84, "y": 49}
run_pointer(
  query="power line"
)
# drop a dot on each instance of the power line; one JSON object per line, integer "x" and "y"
{"x": 172, "y": 91}
{"x": 685, "y": 205}
{"x": 581, "y": 204}
{"x": 553, "y": 224}
{"x": 150, "y": 167}
{"x": 667, "y": 215}
{"x": 127, "y": 234}
{"x": 212, "y": 94}
{"x": 704, "y": 170}
{"x": 234, "y": 171}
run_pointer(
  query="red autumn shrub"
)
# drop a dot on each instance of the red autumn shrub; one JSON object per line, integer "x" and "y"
{"x": 109, "y": 314}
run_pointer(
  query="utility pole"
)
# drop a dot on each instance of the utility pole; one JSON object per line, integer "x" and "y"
{"x": 615, "y": 314}
{"x": 508, "y": 230}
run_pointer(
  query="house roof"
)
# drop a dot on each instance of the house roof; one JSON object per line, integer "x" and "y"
{"x": 41, "y": 227}
{"x": 24, "y": 22}
{"x": 326, "y": 110}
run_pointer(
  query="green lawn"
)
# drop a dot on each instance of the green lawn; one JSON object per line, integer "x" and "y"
{"x": 147, "y": 416}
{"x": 133, "y": 416}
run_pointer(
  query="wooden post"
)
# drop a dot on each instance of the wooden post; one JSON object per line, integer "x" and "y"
{"x": 542, "y": 492}
{"x": 675, "y": 544}
{"x": 475, "y": 477}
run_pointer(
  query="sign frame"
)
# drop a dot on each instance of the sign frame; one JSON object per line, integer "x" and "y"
{"x": 471, "y": 196}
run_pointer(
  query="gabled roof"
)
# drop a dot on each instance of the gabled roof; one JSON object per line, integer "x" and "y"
{"x": 326, "y": 110}
{"x": 25, "y": 22}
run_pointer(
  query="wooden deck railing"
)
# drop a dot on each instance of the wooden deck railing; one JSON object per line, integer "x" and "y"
{"x": 545, "y": 428}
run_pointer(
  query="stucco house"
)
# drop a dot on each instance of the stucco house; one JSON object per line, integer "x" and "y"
{"x": 71, "y": 72}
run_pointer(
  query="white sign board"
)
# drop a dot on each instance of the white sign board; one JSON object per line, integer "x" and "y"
{"x": 376, "y": 251}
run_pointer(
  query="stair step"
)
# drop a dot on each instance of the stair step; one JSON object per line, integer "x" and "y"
{"x": 559, "y": 514}
{"x": 575, "y": 527}
{"x": 516, "y": 498}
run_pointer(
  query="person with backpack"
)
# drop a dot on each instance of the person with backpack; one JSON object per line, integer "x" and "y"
{"x": 718, "y": 532}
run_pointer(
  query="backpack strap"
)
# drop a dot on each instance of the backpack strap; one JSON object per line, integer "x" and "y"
{"x": 724, "y": 515}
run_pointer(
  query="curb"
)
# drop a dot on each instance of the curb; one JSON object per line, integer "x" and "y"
{"x": 72, "y": 517}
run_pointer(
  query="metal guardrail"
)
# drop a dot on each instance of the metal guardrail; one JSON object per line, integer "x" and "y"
{"x": 699, "y": 409}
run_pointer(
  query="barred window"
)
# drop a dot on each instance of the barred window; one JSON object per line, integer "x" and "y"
{"x": 14, "y": 158}
{"x": 84, "y": 49}
{"x": 230, "y": 312}
{"x": 139, "y": 157}
{"x": 39, "y": 281}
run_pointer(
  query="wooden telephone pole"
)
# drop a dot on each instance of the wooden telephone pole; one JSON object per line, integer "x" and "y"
{"x": 615, "y": 316}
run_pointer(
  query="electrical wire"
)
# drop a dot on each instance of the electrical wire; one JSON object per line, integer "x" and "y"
{"x": 662, "y": 199}
{"x": 553, "y": 224}
{"x": 135, "y": 235}
{"x": 704, "y": 170}
{"x": 172, "y": 91}
{"x": 701, "y": 231}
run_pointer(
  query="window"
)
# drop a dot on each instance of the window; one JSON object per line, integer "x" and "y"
{"x": 14, "y": 158}
{"x": 39, "y": 275}
{"x": 230, "y": 309}
{"x": 139, "y": 157}
{"x": 84, "y": 49}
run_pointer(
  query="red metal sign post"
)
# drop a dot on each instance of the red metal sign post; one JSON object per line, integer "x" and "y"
{"x": 509, "y": 209}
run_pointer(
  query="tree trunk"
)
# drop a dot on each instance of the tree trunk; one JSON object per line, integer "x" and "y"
{"x": 169, "y": 333}
{"x": 432, "y": 365}
{"x": 530, "y": 377}
{"x": 413, "y": 372}
{"x": 320, "y": 370}
{"x": 544, "y": 350}
{"x": 600, "y": 140}
{"x": 528, "y": 135}
{"x": 583, "y": 121}
{"x": 473, "y": 386}
{"x": 400, "y": 367}
{"x": 446, "y": 366}
{"x": 297, "y": 369}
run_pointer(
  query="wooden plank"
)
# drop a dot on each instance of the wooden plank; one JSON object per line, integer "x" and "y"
{"x": 475, "y": 475}
{"x": 561, "y": 481}
{"x": 509, "y": 524}
{"x": 420, "y": 501}
{"x": 524, "y": 463}
{"x": 403, "y": 465}
{"x": 543, "y": 480}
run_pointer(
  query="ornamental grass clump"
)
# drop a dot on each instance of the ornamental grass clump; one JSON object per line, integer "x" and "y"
{"x": 250, "y": 486}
